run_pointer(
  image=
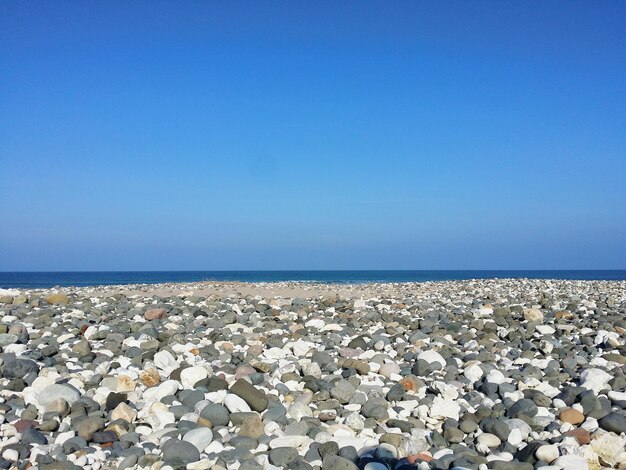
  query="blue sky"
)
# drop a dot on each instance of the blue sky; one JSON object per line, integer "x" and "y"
{"x": 312, "y": 135}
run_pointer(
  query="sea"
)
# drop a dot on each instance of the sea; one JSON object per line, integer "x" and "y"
{"x": 92, "y": 278}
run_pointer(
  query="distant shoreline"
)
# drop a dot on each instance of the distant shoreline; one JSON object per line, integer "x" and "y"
{"x": 33, "y": 280}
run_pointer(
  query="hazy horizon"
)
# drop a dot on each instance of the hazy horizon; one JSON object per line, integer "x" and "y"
{"x": 241, "y": 136}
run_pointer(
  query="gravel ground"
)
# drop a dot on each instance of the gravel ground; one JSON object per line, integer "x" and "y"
{"x": 485, "y": 374}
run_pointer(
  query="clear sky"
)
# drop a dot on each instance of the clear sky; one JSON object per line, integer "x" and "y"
{"x": 312, "y": 135}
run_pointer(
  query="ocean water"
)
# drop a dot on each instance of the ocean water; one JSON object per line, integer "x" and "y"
{"x": 91, "y": 278}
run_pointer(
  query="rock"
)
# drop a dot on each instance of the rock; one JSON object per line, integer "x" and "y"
{"x": 125, "y": 412}
{"x": 192, "y": 375}
{"x": 571, "y": 462}
{"x": 82, "y": 348}
{"x": 375, "y": 408}
{"x": 473, "y": 373}
{"x": 581, "y": 435}
{"x": 432, "y": 357}
{"x": 155, "y": 314}
{"x": 283, "y": 456}
{"x": 313, "y": 369}
{"x": 177, "y": 452}
{"x": 609, "y": 447}
{"x": 614, "y": 422}
{"x": 489, "y": 440}
{"x": 572, "y": 416}
{"x": 547, "y": 453}
{"x": 150, "y": 377}
{"x": 255, "y": 398}
{"x": 361, "y": 367}
{"x": 342, "y": 391}
{"x": 388, "y": 369}
{"x": 252, "y": 427}
{"x": 19, "y": 368}
{"x": 334, "y": 462}
{"x": 595, "y": 379}
{"x": 199, "y": 437}
{"x": 50, "y": 394}
{"x": 87, "y": 427}
{"x": 442, "y": 408}
{"x": 165, "y": 361}
{"x": 217, "y": 414}
{"x": 32, "y": 436}
{"x": 235, "y": 404}
{"x": 8, "y": 338}
{"x": 533, "y": 314}
{"x": 58, "y": 299}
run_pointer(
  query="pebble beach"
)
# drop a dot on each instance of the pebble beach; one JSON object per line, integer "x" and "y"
{"x": 501, "y": 374}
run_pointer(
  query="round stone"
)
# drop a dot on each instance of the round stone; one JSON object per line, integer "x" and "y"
{"x": 489, "y": 440}
{"x": 572, "y": 416}
{"x": 177, "y": 452}
{"x": 200, "y": 437}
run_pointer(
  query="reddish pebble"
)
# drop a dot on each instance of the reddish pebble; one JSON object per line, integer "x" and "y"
{"x": 572, "y": 416}
{"x": 155, "y": 314}
{"x": 24, "y": 424}
{"x": 581, "y": 435}
{"x": 421, "y": 457}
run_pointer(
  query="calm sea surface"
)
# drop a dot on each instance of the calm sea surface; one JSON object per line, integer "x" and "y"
{"x": 51, "y": 279}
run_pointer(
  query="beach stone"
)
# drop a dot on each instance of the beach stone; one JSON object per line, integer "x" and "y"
{"x": 155, "y": 314}
{"x": 595, "y": 379}
{"x": 547, "y": 453}
{"x": 571, "y": 462}
{"x": 192, "y": 375}
{"x": 432, "y": 357}
{"x": 255, "y": 398}
{"x": 217, "y": 414}
{"x": 81, "y": 348}
{"x": 509, "y": 465}
{"x": 533, "y": 314}
{"x": 335, "y": 462}
{"x": 375, "y": 408}
{"x": 7, "y": 338}
{"x": 523, "y": 407}
{"x": 335, "y": 387}
{"x": 361, "y": 367}
{"x": 342, "y": 391}
{"x": 313, "y": 369}
{"x": 283, "y": 456}
{"x": 442, "y": 408}
{"x": 489, "y": 440}
{"x": 252, "y": 426}
{"x": 614, "y": 422}
{"x": 388, "y": 369}
{"x": 453, "y": 435}
{"x": 125, "y": 412}
{"x": 473, "y": 373}
{"x": 89, "y": 426}
{"x": 19, "y": 368}
{"x": 329, "y": 447}
{"x": 178, "y": 452}
{"x": 150, "y": 377}
{"x": 199, "y": 437}
{"x": 22, "y": 425}
{"x": 33, "y": 436}
{"x": 235, "y": 404}
{"x": 113, "y": 399}
{"x": 496, "y": 427}
{"x": 581, "y": 435}
{"x": 572, "y": 416}
{"x": 58, "y": 299}
{"x": 610, "y": 448}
